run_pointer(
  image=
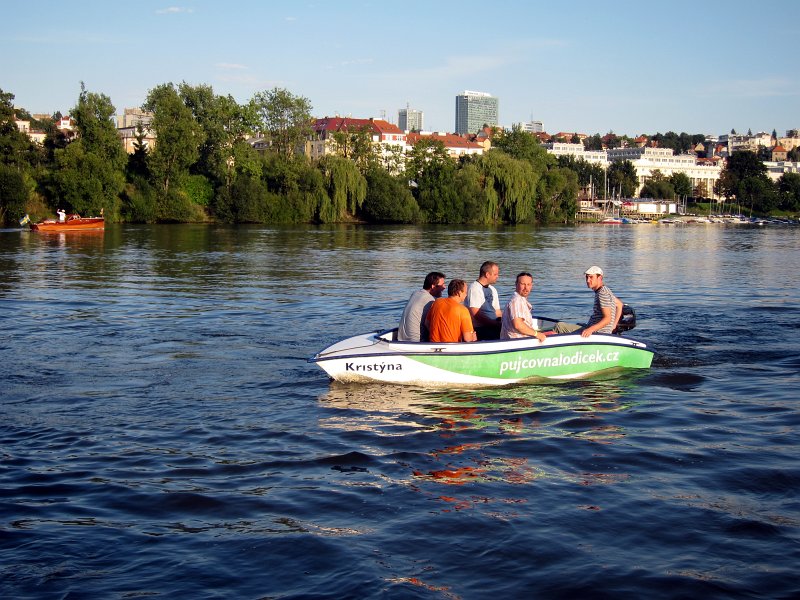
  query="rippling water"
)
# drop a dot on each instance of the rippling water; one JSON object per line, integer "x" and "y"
{"x": 162, "y": 434}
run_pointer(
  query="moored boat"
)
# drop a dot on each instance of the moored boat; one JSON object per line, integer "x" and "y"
{"x": 378, "y": 356}
{"x": 71, "y": 223}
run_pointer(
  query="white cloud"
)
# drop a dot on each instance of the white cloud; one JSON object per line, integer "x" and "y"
{"x": 172, "y": 10}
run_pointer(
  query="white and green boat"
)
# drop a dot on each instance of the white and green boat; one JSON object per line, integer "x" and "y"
{"x": 378, "y": 356}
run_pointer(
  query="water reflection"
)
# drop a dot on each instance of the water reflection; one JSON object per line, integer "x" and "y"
{"x": 482, "y": 444}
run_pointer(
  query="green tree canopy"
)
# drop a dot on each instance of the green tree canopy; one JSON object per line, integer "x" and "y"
{"x": 346, "y": 189}
{"x": 509, "y": 187}
{"x": 284, "y": 118}
{"x": 91, "y": 169}
{"x": 789, "y": 189}
{"x": 15, "y": 147}
{"x": 622, "y": 178}
{"x": 178, "y": 137}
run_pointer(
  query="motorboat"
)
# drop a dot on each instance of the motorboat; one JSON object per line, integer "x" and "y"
{"x": 71, "y": 223}
{"x": 379, "y": 357}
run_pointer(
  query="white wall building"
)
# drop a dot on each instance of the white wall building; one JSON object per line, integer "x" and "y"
{"x": 648, "y": 160}
{"x": 531, "y": 126}
{"x": 596, "y": 157}
{"x": 776, "y": 169}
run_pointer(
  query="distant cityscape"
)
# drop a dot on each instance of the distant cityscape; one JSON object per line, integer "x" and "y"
{"x": 477, "y": 119}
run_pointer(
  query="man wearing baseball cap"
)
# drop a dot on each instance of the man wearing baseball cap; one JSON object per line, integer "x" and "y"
{"x": 607, "y": 308}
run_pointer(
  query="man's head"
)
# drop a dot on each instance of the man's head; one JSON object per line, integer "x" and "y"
{"x": 489, "y": 272}
{"x": 434, "y": 284}
{"x": 594, "y": 277}
{"x": 524, "y": 284}
{"x": 457, "y": 289}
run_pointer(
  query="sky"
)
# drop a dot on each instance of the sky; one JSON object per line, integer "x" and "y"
{"x": 579, "y": 66}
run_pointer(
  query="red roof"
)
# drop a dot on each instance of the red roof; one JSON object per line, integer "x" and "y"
{"x": 450, "y": 140}
{"x": 346, "y": 124}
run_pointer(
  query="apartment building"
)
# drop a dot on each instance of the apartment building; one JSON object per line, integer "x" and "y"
{"x": 647, "y": 161}
{"x": 474, "y": 110}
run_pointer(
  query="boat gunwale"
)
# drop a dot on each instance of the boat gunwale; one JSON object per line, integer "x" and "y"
{"x": 610, "y": 340}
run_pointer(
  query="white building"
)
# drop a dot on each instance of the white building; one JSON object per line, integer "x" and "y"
{"x": 595, "y": 157}
{"x": 647, "y": 161}
{"x": 531, "y": 126}
{"x": 776, "y": 169}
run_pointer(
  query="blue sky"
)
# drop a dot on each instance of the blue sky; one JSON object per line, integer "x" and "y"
{"x": 587, "y": 66}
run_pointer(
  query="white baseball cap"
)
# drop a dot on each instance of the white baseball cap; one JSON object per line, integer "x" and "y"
{"x": 595, "y": 270}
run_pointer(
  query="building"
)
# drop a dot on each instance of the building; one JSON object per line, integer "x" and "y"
{"x": 456, "y": 145}
{"x": 409, "y": 119}
{"x": 34, "y": 135}
{"x": 751, "y": 142}
{"x": 474, "y": 110}
{"x": 128, "y": 137}
{"x": 647, "y": 161}
{"x": 776, "y": 169}
{"x": 387, "y": 138}
{"x": 531, "y": 126}
{"x": 595, "y": 157}
{"x": 779, "y": 153}
{"x": 791, "y": 141}
{"x": 131, "y": 117}
{"x": 127, "y": 124}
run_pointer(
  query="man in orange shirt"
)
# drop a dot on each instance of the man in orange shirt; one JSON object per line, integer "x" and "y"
{"x": 448, "y": 319}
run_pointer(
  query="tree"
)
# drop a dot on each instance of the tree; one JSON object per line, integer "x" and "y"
{"x": 91, "y": 170}
{"x": 524, "y": 146}
{"x": 15, "y": 147}
{"x": 388, "y": 199}
{"x": 13, "y": 194}
{"x": 661, "y": 189}
{"x": 137, "y": 161}
{"x": 346, "y": 189}
{"x": 178, "y": 137}
{"x": 745, "y": 178}
{"x": 622, "y": 178}
{"x": 682, "y": 184}
{"x": 509, "y": 188}
{"x": 356, "y": 145}
{"x": 224, "y": 123}
{"x": 556, "y": 196}
{"x": 789, "y": 189}
{"x": 591, "y": 176}
{"x": 432, "y": 172}
{"x": 593, "y": 142}
{"x": 285, "y": 119}
{"x": 741, "y": 165}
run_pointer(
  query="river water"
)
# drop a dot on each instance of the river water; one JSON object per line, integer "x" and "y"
{"x": 163, "y": 435}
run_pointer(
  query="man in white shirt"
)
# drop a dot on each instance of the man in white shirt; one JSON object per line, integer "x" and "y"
{"x": 517, "y": 320}
{"x": 484, "y": 303}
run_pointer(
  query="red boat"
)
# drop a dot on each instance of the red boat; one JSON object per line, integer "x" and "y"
{"x": 71, "y": 223}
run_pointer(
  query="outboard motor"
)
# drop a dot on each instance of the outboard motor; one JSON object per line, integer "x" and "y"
{"x": 627, "y": 321}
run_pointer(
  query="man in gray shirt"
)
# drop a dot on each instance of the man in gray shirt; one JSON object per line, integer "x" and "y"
{"x": 412, "y": 323}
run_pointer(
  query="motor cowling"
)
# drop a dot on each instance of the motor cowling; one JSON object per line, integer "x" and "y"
{"x": 627, "y": 321}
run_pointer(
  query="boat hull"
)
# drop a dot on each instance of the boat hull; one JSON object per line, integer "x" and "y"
{"x": 374, "y": 357}
{"x": 77, "y": 224}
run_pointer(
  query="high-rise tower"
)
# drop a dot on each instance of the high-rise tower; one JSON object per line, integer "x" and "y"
{"x": 474, "y": 110}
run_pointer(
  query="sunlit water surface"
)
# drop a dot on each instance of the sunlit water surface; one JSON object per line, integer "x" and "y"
{"x": 162, "y": 434}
